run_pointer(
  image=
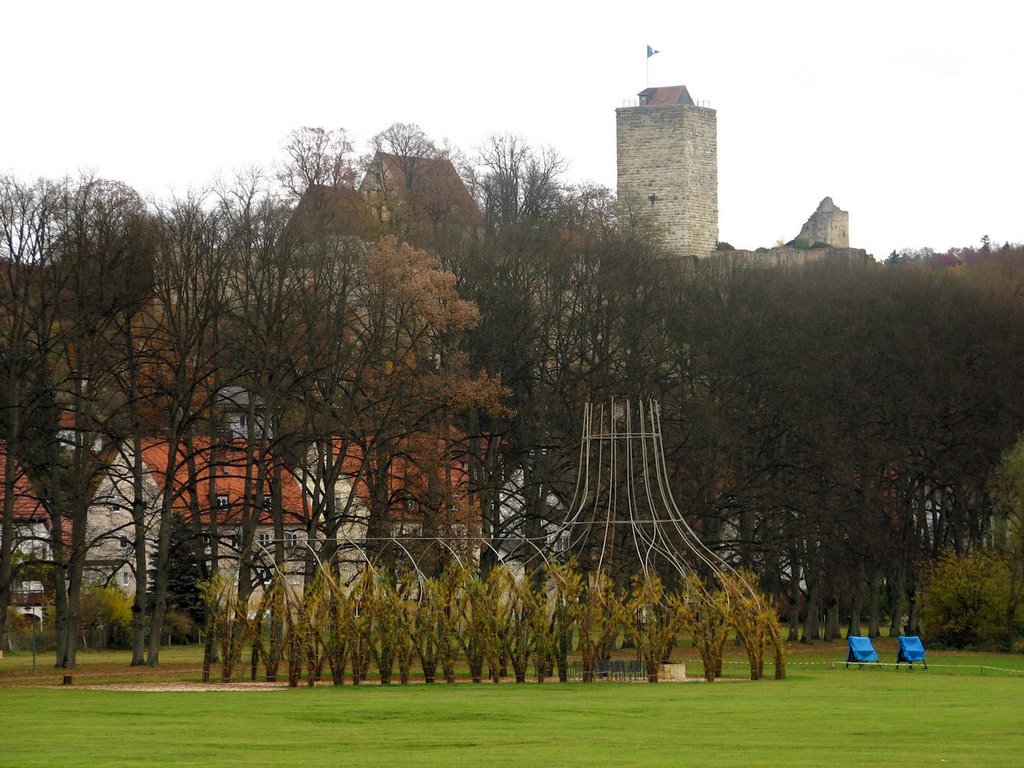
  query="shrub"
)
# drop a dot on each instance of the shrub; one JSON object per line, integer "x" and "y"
{"x": 180, "y": 627}
{"x": 108, "y": 609}
{"x": 965, "y": 600}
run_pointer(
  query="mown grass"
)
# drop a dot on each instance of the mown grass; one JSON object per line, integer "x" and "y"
{"x": 820, "y": 715}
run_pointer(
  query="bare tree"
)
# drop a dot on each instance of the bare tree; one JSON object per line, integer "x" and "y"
{"x": 316, "y": 157}
{"x": 184, "y": 356}
{"x": 98, "y": 274}
{"x": 519, "y": 185}
{"x": 28, "y": 235}
{"x": 409, "y": 183}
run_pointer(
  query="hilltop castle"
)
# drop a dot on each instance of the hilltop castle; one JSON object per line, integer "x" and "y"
{"x": 667, "y": 152}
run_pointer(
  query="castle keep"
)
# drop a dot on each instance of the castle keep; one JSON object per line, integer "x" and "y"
{"x": 667, "y": 151}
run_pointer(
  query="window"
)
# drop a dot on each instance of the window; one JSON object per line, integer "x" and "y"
{"x": 122, "y": 542}
{"x": 337, "y": 503}
{"x": 126, "y": 578}
{"x": 265, "y": 538}
{"x": 268, "y": 501}
{"x": 222, "y": 501}
{"x": 293, "y": 538}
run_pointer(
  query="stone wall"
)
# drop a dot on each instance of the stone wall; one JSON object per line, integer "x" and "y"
{"x": 792, "y": 257}
{"x": 668, "y": 173}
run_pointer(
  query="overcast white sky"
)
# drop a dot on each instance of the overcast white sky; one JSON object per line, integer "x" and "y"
{"x": 908, "y": 114}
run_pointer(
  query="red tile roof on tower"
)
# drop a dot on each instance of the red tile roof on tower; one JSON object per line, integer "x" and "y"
{"x": 665, "y": 96}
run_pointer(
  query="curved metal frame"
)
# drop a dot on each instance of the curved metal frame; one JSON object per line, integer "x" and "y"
{"x": 638, "y": 451}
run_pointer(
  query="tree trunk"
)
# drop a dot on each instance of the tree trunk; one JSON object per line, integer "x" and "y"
{"x": 163, "y": 545}
{"x": 811, "y": 622}
{"x": 141, "y": 567}
{"x": 856, "y": 602}
{"x": 60, "y": 607}
{"x": 832, "y": 631}
{"x": 794, "y": 605}
{"x": 7, "y": 523}
{"x": 75, "y": 574}
{"x": 897, "y": 604}
{"x": 874, "y": 606}
{"x": 854, "y": 627}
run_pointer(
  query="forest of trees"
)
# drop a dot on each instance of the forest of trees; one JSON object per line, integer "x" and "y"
{"x": 834, "y": 428}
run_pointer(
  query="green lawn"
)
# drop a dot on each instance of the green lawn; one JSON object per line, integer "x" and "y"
{"x": 819, "y": 716}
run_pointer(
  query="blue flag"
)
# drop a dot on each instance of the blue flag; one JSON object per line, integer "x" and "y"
{"x": 651, "y": 51}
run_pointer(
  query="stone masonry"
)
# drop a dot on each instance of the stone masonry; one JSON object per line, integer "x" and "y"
{"x": 829, "y": 225}
{"x": 667, "y": 150}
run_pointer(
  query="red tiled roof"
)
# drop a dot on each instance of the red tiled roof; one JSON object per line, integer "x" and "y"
{"x": 414, "y": 473}
{"x": 27, "y": 506}
{"x": 339, "y": 211}
{"x": 219, "y": 469}
{"x": 222, "y": 470}
{"x": 437, "y": 191}
{"x": 664, "y": 96}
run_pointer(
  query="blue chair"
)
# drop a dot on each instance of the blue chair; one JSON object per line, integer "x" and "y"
{"x": 861, "y": 651}
{"x": 911, "y": 650}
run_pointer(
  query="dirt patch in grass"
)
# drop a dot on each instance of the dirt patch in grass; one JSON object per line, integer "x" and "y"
{"x": 158, "y": 687}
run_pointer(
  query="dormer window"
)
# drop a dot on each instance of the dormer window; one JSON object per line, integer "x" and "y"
{"x": 222, "y": 501}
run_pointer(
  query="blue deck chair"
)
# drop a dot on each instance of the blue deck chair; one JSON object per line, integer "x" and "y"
{"x": 861, "y": 651}
{"x": 911, "y": 650}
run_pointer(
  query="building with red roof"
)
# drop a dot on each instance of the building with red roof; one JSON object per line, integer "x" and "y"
{"x": 31, "y": 533}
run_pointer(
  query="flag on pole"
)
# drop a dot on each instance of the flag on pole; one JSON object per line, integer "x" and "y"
{"x": 651, "y": 51}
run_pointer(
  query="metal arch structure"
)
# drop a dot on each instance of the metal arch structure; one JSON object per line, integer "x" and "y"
{"x": 622, "y": 511}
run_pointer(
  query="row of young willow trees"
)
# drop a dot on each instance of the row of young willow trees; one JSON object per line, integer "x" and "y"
{"x": 491, "y": 624}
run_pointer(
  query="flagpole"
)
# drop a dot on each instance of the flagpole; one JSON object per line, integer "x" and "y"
{"x": 650, "y": 52}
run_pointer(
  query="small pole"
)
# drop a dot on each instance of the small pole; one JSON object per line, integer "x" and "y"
{"x": 34, "y": 622}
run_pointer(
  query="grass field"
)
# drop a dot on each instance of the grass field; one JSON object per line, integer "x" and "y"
{"x": 964, "y": 711}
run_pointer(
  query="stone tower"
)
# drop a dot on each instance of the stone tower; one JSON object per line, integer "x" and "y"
{"x": 829, "y": 225}
{"x": 667, "y": 150}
